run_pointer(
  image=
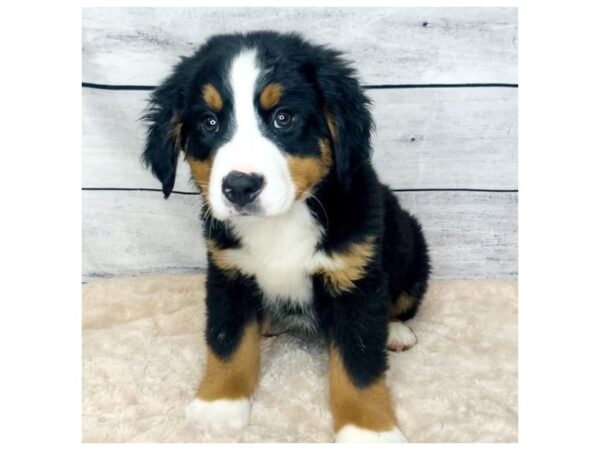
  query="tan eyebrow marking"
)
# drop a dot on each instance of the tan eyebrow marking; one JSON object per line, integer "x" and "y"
{"x": 212, "y": 97}
{"x": 271, "y": 95}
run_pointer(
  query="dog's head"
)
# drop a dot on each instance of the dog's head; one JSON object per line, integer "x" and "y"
{"x": 262, "y": 119}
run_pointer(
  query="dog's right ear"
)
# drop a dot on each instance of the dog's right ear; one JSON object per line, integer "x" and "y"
{"x": 164, "y": 140}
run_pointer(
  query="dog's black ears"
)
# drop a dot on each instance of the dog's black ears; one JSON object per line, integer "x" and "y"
{"x": 165, "y": 138}
{"x": 346, "y": 109}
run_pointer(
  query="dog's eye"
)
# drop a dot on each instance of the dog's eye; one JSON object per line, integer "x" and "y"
{"x": 210, "y": 124}
{"x": 282, "y": 119}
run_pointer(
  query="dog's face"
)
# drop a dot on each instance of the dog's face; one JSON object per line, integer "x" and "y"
{"x": 255, "y": 141}
{"x": 262, "y": 118}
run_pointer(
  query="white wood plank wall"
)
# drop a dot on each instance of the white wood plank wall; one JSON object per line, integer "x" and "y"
{"x": 444, "y": 87}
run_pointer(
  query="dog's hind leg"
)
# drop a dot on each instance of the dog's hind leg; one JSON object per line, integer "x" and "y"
{"x": 400, "y": 336}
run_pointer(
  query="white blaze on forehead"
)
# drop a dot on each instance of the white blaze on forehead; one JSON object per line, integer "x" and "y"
{"x": 249, "y": 151}
{"x": 243, "y": 78}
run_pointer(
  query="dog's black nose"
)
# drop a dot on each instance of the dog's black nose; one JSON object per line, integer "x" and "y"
{"x": 242, "y": 188}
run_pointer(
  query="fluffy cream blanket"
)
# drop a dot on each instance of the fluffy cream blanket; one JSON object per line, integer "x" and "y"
{"x": 143, "y": 352}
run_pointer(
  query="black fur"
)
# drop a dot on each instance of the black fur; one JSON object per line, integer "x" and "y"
{"x": 350, "y": 203}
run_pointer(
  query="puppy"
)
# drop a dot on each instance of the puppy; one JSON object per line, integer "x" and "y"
{"x": 300, "y": 232}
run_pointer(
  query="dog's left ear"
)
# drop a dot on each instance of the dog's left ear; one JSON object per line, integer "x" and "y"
{"x": 165, "y": 135}
{"x": 346, "y": 109}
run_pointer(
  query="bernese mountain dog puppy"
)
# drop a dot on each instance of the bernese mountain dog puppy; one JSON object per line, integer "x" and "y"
{"x": 301, "y": 234}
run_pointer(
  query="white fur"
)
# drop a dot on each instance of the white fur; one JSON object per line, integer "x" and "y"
{"x": 400, "y": 336}
{"x": 219, "y": 414}
{"x": 351, "y": 433}
{"x": 279, "y": 251}
{"x": 248, "y": 150}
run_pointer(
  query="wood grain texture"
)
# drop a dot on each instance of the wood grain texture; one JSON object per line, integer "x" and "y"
{"x": 134, "y": 233}
{"x": 471, "y": 235}
{"x": 425, "y": 138}
{"x": 446, "y": 138}
{"x": 389, "y": 45}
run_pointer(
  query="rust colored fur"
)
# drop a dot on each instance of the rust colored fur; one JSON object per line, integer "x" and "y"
{"x": 350, "y": 266}
{"x": 307, "y": 171}
{"x": 369, "y": 408}
{"x": 201, "y": 173}
{"x": 270, "y": 96}
{"x": 212, "y": 97}
{"x": 236, "y": 376}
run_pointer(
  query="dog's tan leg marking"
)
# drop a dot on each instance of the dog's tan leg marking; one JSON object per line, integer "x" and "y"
{"x": 236, "y": 376}
{"x": 402, "y": 304}
{"x": 368, "y": 409}
{"x": 400, "y": 336}
{"x": 223, "y": 397}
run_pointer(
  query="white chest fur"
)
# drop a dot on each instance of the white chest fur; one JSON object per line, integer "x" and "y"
{"x": 279, "y": 252}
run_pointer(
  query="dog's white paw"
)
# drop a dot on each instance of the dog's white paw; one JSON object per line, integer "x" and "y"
{"x": 400, "y": 337}
{"x": 219, "y": 414}
{"x": 351, "y": 433}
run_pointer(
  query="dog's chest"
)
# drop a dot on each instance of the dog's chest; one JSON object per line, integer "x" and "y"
{"x": 280, "y": 253}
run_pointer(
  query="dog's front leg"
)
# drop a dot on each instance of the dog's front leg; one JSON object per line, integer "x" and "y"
{"x": 233, "y": 353}
{"x": 356, "y": 323}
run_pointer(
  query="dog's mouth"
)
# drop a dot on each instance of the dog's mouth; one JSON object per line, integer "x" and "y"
{"x": 231, "y": 211}
{"x": 252, "y": 209}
